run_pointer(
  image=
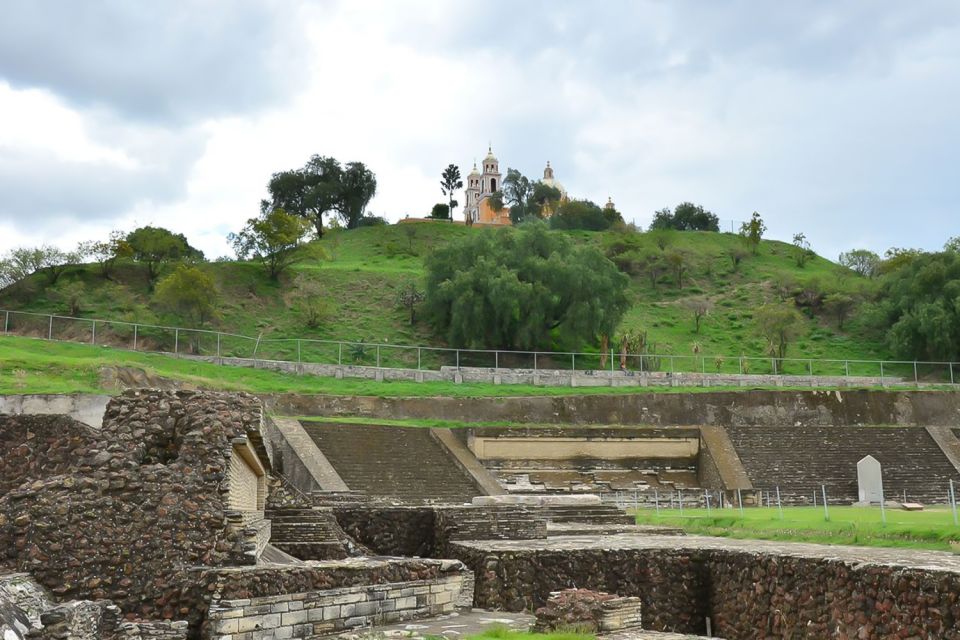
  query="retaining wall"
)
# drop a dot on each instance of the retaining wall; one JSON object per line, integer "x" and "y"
{"x": 85, "y": 408}
{"x": 759, "y": 407}
{"x": 746, "y": 594}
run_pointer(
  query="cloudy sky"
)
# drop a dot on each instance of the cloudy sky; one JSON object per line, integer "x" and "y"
{"x": 837, "y": 119}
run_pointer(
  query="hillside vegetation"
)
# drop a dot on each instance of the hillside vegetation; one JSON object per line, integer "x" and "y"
{"x": 360, "y": 272}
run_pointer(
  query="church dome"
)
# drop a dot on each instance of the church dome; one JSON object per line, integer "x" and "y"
{"x": 550, "y": 181}
{"x": 474, "y": 172}
{"x": 490, "y": 157}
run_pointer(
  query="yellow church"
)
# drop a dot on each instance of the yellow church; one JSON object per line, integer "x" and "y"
{"x": 482, "y": 185}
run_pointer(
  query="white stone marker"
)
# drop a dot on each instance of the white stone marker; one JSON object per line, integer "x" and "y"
{"x": 869, "y": 481}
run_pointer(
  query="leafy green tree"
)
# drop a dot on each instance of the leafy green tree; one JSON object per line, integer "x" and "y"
{"x": 840, "y": 306}
{"x": 440, "y": 211}
{"x": 272, "y": 238}
{"x": 780, "y": 325}
{"x": 517, "y": 190}
{"x": 752, "y": 232}
{"x": 107, "y": 252}
{"x": 450, "y": 183}
{"x": 156, "y": 246}
{"x": 521, "y": 289}
{"x": 25, "y": 261}
{"x": 73, "y": 294}
{"x": 736, "y": 255}
{"x": 543, "y": 197}
{"x": 686, "y": 216}
{"x": 358, "y": 186}
{"x": 678, "y": 261}
{"x": 861, "y": 261}
{"x": 896, "y": 258}
{"x": 310, "y": 192}
{"x": 583, "y": 214}
{"x": 921, "y": 302}
{"x": 953, "y": 244}
{"x": 801, "y": 249}
{"x": 188, "y": 293}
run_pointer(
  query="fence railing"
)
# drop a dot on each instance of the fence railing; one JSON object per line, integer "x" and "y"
{"x": 144, "y": 337}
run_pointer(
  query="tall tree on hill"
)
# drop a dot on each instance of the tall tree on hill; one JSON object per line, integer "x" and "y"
{"x": 358, "y": 185}
{"x": 309, "y": 192}
{"x": 450, "y": 183}
{"x": 752, "y": 231}
{"x": 686, "y": 216}
{"x": 517, "y": 190}
{"x": 272, "y": 238}
{"x": 156, "y": 246}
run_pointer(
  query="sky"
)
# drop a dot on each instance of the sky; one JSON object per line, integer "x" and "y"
{"x": 837, "y": 119}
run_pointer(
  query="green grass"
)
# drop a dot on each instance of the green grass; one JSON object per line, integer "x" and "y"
{"x": 928, "y": 529}
{"x": 368, "y": 266}
{"x": 29, "y": 365}
{"x": 504, "y": 633}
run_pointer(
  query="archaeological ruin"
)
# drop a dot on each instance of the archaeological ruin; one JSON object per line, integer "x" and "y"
{"x": 187, "y": 514}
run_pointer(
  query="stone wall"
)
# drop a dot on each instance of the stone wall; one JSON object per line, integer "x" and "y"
{"x": 776, "y": 408}
{"x": 82, "y": 407}
{"x": 745, "y": 594}
{"x": 135, "y": 508}
{"x": 35, "y": 447}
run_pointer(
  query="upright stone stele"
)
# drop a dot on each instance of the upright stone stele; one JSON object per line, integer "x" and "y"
{"x": 869, "y": 481}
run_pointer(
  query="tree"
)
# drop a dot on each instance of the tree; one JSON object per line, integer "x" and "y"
{"x": 801, "y": 249}
{"x": 583, "y": 214}
{"x": 655, "y": 265}
{"x": 357, "y": 188}
{"x": 700, "y": 308}
{"x": 895, "y": 258}
{"x": 522, "y": 289}
{"x": 752, "y": 232}
{"x": 839, "y": 305}
{"x": 686, "y": 216}
{"x": 409, "y": 297}
{"x": 73, "y": 294}
{"x": 517, "y": 190}
{"x": 25, "y": 261}
{"x": 272, "y": 238}
{"x": 440, "y": 211}
{"x": 677, "y": 260}
{"x": 921, "y": 307}
{"x": 953, "y": 244}
{"x": 156, "y": 246}
{"x": 779, "y": 324}
{"x": 106, "y": 252}
{"x": 308, "y": 295}
{"x": 543, "y": 198}
{"x": 310, "y": 192}
{"x": 450, "y": 183}
{"x": 189, "y": 293}
{"x": 861, "y": 261}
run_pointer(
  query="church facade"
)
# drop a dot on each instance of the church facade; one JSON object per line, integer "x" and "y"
{"x": 481, "y": 185}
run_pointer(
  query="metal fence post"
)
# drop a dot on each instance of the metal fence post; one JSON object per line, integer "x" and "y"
{"x": 496, "y": 360}
{"x": 50, "y": 329}
{"x": 951, "y": 373}
{"x": 534, "y": 361}
{"x": 418, "y": 358}
{"x": 656, "y": 500}
{"x": 298, "y": 349}
{"x": 810, "y": 366}
{"x": 846, "y": 368}
{"x": 779, "y": 504}
{"x": 881, "y": 373}
{"x": 176, "y": 341}
{"x": 826, "y": 509}
{"x": 93, "y": 333}
{"x": 953, "y": 503}
{"x": 218, "y": 346}
{"x": 134, "y": 337}
{"x": 611, "y": 362}
{"x": 740, "y": 501}
{"x": 706, "y": 495}
{"x": 740, "y": 362}
{"x": 680, "y": 500}
{"x": 339, "y": 353}
{"x": 458, "y": 359}
{"x": 6, "y": 326}
{"x": 378, "y": 356}
{"x": 573, "y": 362}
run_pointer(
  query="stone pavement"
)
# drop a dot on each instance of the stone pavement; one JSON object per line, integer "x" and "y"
{"x": 892, "y": 557}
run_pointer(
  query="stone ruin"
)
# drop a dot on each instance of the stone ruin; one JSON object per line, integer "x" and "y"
{"x": 177, "y": 519}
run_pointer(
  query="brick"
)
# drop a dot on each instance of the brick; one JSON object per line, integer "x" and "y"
{"x": 293, "y": 617}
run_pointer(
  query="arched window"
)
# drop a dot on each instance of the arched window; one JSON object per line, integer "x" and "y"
{"x": 493, "y": 184}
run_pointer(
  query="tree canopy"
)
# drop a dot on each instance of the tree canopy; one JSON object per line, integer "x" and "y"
{"x": 189, "y": 293}
{"x": 156, "y": 246}
{"x": 686, "y": 216}
{"x": 921, "y": 301}
{"x": 450, "y": 183}
{"x": 323, "y": 186}
{"x": 522, "y": 289}
{"x": 584, "y": 214}
{"x": 271, "y": 238}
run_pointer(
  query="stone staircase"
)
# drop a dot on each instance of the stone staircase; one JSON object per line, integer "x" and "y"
{"x": 587, "y": 514}
{"x": 801, "y": 459}
{"x": 307, "y": 533}
{"x": 405, "y": 465}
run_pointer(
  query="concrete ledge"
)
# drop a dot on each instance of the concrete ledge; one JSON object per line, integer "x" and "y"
{"x": 948, "y": 443}
{"x": 539, "y": 500}
{"x": 85, "y": 408}
{"x": 719, "y": 450}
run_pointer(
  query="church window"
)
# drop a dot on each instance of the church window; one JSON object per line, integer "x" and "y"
{"x": 493, "y": 184}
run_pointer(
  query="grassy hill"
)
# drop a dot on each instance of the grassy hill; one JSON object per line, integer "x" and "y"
{"x": 367, "y": 266}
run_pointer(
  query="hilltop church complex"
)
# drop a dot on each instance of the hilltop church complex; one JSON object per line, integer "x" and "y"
{"x": 480, "y": 186}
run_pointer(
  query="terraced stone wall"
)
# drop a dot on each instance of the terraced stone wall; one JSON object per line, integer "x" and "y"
{"x": 746, "y": 595}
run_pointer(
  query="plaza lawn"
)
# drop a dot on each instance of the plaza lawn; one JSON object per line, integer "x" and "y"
{"x": 31, "y": 365}
{"x": 503, "y": 633}
{"x": 932, "y": 528}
